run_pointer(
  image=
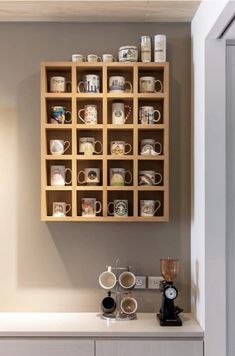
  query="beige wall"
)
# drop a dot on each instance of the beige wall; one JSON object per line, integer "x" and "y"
{"x": 54, "y": 266}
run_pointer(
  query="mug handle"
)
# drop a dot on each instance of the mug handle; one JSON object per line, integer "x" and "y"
{"x": 99, "y": 59}
{"x": 130, "y": 148}
{"x": 68, "y": 145}
{"x": 78, "y": 88}
{"x": 98, "y": 203}
{"x": 130, "y": 180}
{"x": 160, "y": 147}
{"x": 128, "y": 113}
{"x": 68, "y": 82}
{"x": 79, "y": 181}
{"x": 70, "y": 119}
{"x": 84, "y": 59}
{"x": 159, "y": 115}
{"x": 79, "y": 115}
{"x": 68, "y": 170}
{"x": 161, "y": 86}
{"x": 158, "y": 206}
{"x": 109, "y": 205}
{"x": 67, "y": 208}
{"x": 160, "y": 178}
{"x": 101, "y": 147}
{"x": 130, "y": 85}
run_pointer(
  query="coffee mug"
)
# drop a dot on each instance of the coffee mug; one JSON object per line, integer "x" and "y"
{"x": 127, "y": 280}
{"x": 91, "y": 176}
{"x": 58, "y": 84}
{"x": 90, "y": 207}
{"x": 120, "y": 208}
{"x": 146, "y": 115}
{"x": 149, "y": 147}
{"x": 93, "y": 58}
{"x": 78, "y": 58}
{"x": 108, "y": 304}
{"x": 90, "y": 114}
{"x": 149, "y": 178}
{"x": 119, "y": 148}
{"x": 149, "y": 207}
{"x": 61, "y": 209}
{"x": 117, "y": 84}
{"x": 107, "y": 279}
{"x": 58, "y": 175}
{"x": 90, "y": 83}
{"x": 118, "y": 176}
{"x": 119, "y": 117}
{"x": 87, "y": 146}
{"x": 107, "y": 57}
{"x": 148, "y": 85}
{"x": 58, "y": 147}
{"x": 58, "y": 115}
{"x": 128, "y": 305}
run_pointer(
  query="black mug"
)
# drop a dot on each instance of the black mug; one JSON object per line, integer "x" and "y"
{"x": 108, "y": 304}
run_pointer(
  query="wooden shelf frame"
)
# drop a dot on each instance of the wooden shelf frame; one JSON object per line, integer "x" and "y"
{"x": 71, "y": 193}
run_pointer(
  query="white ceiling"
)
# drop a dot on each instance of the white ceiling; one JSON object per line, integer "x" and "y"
{"x": 98, "y": 11}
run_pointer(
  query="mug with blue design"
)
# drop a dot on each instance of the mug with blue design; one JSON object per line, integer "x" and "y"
{"x": 59, "y": 115}
{"x": 89, "y": 84}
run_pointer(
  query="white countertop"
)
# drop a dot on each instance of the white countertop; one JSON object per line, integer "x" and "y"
{"x": 91, "y": 325}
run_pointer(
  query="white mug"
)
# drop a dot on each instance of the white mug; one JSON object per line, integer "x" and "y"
{"x": 118, "y": 84}
{"x": 148, "y": 85}
{"x": 61, "y": 209}
{"x": 128, "y": 305}
{"x": 91, "y": 176}
{"x": 118, "y": 177}
{"x": 127, "y": 280}
{"x": 147, "y": 115}
{"x": 149, "y": 208}
{"x": 90, "y": 207}
{"x": 90, "y": 114}
{"x": 107, "y": 57}
{"x": 58, "y": 147}
{"x": 149, "y": 147}
{"x": 87, "y": 146}
{"x": 107, "y": 279}
{"x": 120, "y": 208}
{"x": 93, "y": 58}
{"x": 58, "y": 84}
{"x": 118, "y": 113}
{"x": 58, "y": 175}
{"x": 149, "y": 178}
{"x": 90, "y": 83}
{"x": 119, "y": 148}
{"x": 78, "y": 58}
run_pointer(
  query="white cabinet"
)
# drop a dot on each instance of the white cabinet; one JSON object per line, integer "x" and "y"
{"x": 46, "y": 347}
{"x": 149, "y": 348}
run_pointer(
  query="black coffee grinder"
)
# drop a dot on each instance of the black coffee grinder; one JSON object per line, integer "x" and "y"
{"x": 168, "y": 314}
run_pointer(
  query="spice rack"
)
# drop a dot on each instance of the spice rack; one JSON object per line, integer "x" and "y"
{"x": 105, "y": 131}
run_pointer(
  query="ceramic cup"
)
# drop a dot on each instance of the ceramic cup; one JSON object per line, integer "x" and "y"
{"x": 118, "y": 176}
{"x": 107, "y": 279}
{"x": 120, "y": 113}
{"x": 91, "y": 176}
{"x": 78, "y": 58}
{"x": 108, "y": 57}
{"x": 89, "y": 84}
{"x": 149, "y": 208}
{"x": 58, "y": 147}
{"x": 90, "y": 207}
{"x": 128, "y": 305}
{"x": 119, "y": 148}
{"x": 108, "y": 304}
{"x": 150, "y": 147}
{"x": 61, "y": 209}
{"x": 118, "y": 84}
{"x": 87, "y": 146}
{"x": 147, "y": 115}
{"x": 120, "y": 208}
{"x": 90, "y": 114}
{"x": 93, "y": 58}
{"x": 58, "y": 175}
{"x": 58, "y": 84}
{"x": 127, "y": 280}
{"x": 59, "y": 115}
{"x": 150, "y": 85}
{"x": 149, "y": 178}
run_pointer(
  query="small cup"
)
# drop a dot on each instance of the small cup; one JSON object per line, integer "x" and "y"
{"x": 78, "y": 58}
{"x": 118, "y": 176}
{"x": 59, "y": 147}
{"x": 149, "y": 85}
{"x": 58, "y": 175}
{"x": 91, "y": 176}
{"x": 108, "y": 57}
{"x": 149, "y": 208}
{"x": 119, "y": 148}
{"x": 93, "y": 58}
{"x": 120, "y": 113}
{"x": 108, "y": 304}
{"x": 118, "y": 84}
{"x": 59, "y": 84}
{"x": 150, "y": 147}
{"x": 128, "y": 305}
{"x": 150, "y": 178}
{"x": 127, "y": 280}
{"x": 90, "y": 114}
{"x": 61, "y": 209}
{"x": 147, "y": 115}
{"x": 107, "y": 279}
{"x": 87, "y": 146}
{"x": 91, "y": 207}
{"x": 120, "y": 208}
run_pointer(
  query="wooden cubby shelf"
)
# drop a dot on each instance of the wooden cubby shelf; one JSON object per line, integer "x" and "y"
{"x": 132, "y": 132}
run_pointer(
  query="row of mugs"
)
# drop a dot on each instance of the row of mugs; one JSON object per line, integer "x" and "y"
{"x": 90, "y": 207}
{"x": 128, "y": 305}
{"x": 120, "y": 114}
{"x": 91, "y": 176}
{"x": 117, "y": 84}
{"x": 106, "y": 57}
{"x": 108, "y": 279}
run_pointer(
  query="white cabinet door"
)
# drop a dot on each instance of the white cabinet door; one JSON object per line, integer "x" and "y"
{"x": 46, "y": 347}
{"x": 149, "y": 348}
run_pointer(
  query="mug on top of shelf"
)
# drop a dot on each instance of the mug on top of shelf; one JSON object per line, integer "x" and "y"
{"x": 58, "y": 115}
{"x": 118, "y": 176}
{"x": 61, "y": 209}
{"x": 119, "y": 117}
{"x": 90, "y": 83}
{"x": 120, "y": 208}
{"x": 91, "y": 176}
{"x": 149, "y": 178}
{"x": 129, "y": 305}
{"x": 147, "y": 115}
{"x": 149, "y": 208}
{"x": 90, "y": 114}
{"x": 91, "y": 207}
{"x": 119, "y": 148}
{"x": 78, "y": 58}
{"x": 108, "y": 57}
{"x": 58, "y": 175}
{"x": 93, "y": 58}
{"x": 148, "y": 84}
{"x": 148, "y": 147}
{"x": 58, "y": 147}
{"x": 107, "y": 279}
{"x": 87, "y": 146}
{"x": 118, "y": 84}
{"x": 58, "y": 84}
